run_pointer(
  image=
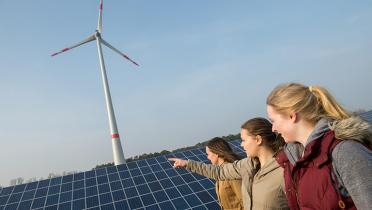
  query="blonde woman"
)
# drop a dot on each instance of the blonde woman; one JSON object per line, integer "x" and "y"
{"x": 327, "y": 160}
{"x": 262, "y": 178}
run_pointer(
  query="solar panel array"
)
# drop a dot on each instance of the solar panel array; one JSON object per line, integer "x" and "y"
{"x": 143, "y": 184}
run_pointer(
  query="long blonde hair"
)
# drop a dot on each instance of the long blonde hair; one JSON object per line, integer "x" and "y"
{"x": 313, "y": 102}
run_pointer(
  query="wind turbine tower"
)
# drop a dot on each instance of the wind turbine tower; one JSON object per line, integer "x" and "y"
{"x": 115, "y": 138}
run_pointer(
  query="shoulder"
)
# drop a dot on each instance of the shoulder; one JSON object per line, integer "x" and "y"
{"x": 350, "y": 149}
{"x": 243, "y": 162}
{"x": 350, "y": 154}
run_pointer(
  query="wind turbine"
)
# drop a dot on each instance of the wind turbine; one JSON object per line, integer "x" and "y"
{"x": 116, "y": 145}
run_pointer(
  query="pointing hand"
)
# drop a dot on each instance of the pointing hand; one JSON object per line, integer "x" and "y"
{"x": 178, "y": 162}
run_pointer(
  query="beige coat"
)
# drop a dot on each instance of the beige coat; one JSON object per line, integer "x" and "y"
{"x": 229, "y": 194}
{"x": 261, "y": 189}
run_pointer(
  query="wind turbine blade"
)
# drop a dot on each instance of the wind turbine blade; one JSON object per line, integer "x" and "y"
{"x": 99, "y": 26}
{"x": 89, "y": 39}
{"x": 122, "y": 54}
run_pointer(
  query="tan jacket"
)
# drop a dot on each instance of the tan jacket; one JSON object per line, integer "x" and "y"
{"x": 261, "y": 189}
{"x": 229, "y": 194}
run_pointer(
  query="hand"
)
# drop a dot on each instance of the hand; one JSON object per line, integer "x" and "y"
{"x": 178, "y": 162}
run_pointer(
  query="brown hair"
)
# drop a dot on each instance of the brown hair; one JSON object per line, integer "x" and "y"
{"x": 313, "y": 102}
{"x": 263, "y": 127}
{"x": 221, "y": 148}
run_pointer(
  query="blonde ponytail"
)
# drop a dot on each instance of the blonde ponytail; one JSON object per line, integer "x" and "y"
{"x": 313, "y": 102}
{"x": 331, "y": 107}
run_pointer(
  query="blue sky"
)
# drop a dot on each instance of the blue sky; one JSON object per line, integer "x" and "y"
{"x": 205, "y": 68}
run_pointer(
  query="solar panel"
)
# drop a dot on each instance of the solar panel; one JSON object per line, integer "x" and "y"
{"x": 367, "y": 116}
{"x": 144, "y": 184}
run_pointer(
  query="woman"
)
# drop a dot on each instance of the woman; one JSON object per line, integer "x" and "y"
{"x": 327, "y": 160}
{"x": 228, "y": 192}
{"x": 262, "y": 177}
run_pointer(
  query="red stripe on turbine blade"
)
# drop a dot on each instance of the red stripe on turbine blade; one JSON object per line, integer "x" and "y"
{"x": 130, "y": 59}
{"x": 115, "y": 136}
{"x": 100, "y": 6}
{"x": 64, "y": 50}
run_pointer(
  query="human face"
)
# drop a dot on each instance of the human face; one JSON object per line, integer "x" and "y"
{"x": 213, "y": 157}
{"x": 249, "y": 143}
{"x": 283, "y": 124}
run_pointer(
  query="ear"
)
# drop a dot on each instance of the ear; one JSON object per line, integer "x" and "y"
{"x": 259, "y": 140}
{"x": 293, "y": 116}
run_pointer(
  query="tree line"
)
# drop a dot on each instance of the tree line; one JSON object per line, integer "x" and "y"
{"x": 202, "y": 144}
{"x": 21, "y": 180}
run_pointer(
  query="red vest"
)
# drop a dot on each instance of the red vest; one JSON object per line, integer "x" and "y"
{"x": 309, "y": 183}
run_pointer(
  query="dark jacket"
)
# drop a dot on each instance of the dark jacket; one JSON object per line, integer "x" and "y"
{"x": 330, "y": 173}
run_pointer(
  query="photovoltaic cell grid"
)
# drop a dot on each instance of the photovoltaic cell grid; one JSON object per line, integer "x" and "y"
{"x": 143, "y": 184}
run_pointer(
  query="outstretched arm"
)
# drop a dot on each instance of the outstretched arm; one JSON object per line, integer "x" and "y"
{"x": 225, "y": 172}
